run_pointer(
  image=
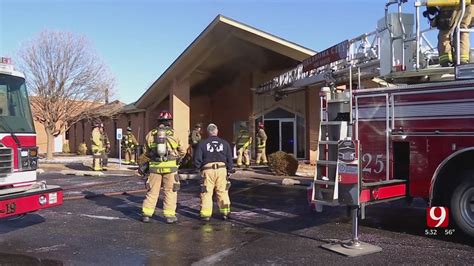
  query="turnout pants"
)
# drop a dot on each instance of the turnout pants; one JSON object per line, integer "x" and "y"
{"x": 214, "y": 180}
{"x": 99, "y": 160}
{"x": 243, "y": 156}
{"x": 261, "y": 156}
{"x": 170, "y": 190}
{"x": 445, "y": 46}
{"x": 129, "y": 156}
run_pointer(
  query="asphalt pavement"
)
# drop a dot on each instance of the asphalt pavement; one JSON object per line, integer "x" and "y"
{"x": 99, "y": 224}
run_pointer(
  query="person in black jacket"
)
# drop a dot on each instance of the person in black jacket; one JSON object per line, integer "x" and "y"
{"x": 213, "y": 157}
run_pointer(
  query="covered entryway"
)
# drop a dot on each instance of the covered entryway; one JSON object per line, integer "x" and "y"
{"x": 211, "y": 80}
{"x": 285, "y": 132}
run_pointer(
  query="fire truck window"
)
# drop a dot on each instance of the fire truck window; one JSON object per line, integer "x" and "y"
{"x": 401, "y": 160}
{"x": 3, "y": 101}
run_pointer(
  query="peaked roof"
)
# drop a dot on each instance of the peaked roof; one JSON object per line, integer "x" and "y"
{"x": 204, "y": 42}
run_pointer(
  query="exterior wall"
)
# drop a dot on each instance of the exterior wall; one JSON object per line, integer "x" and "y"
{"x": 41, "y": 138}
{"x": 201, "y": 111}
{"x": 180, "y": 108}
{"x": 232, "y": 103}
{"x": 136, "y": 120}
{"x": 313, "y": 118}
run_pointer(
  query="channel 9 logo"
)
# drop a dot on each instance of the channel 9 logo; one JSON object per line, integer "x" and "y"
{"x": 437, "y": 217}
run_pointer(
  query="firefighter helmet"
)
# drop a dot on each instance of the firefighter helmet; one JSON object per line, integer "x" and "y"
{"x": 129, "y": 129}
{"x": 261, "y": 125}
{"x": 165, "y": 116}
{"x": 198, "y": 125}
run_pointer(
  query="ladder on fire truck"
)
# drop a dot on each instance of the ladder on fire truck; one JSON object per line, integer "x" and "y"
{"x": 397, "y": 52}
{"x": 333, "y": 128}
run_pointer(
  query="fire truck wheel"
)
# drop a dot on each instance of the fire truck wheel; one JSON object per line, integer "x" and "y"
{"x": 462, "y": 205}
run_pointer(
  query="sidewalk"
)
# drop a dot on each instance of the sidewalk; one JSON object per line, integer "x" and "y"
{"x": 81, "y": 166}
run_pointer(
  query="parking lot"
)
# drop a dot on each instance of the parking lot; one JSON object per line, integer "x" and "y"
{"x": 271, "y": 224}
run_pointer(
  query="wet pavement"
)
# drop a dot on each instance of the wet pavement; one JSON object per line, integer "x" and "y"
{"x": 271, "y": 224}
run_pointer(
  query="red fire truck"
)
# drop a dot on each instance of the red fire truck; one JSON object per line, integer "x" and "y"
{"x": 394, "y": 124}
{"x": 20, "y": 192}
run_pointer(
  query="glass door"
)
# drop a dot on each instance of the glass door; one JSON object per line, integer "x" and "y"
{"x": 287, "y": 136}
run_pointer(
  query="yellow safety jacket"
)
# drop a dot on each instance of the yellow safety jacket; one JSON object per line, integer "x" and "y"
{"x": 261, "y": 139}
{"x": 244, "y": 140}
{"x": 97, "y": 144}
{"x": 129, "y": 141}
{"x": 174, "y": 149}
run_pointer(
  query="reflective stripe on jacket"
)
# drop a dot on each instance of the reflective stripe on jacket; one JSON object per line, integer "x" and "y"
{"x": 244, "y": 139}
{"x": 171, "y": 165}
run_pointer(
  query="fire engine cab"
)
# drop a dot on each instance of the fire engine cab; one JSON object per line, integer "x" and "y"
{"x": 394, "y": 124}
{"x": 20, "y": 192}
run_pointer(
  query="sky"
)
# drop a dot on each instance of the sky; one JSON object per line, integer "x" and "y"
{"x": 139, "y": 39}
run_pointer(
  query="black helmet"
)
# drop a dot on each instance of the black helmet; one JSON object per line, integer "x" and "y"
{"x": 97, "y": 123}
{"x": 129, "y": 129}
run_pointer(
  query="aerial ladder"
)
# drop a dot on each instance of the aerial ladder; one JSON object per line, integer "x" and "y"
{"x": 397, "y": 52}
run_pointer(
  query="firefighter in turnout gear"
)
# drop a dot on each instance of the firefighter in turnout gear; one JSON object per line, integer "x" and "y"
{"x": 243, "y": 142}
{"x": 195, "y": 137}
{"x": 164, "y": 152}
{"x": 261, "y": 144}
{"x": 445, "y": 19}
{"x": 129, "y": 144}
{"x": 99, "y": 143}
{"x": 214, "y": 157}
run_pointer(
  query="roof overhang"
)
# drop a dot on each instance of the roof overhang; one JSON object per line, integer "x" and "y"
{"x": 216, "y": 44}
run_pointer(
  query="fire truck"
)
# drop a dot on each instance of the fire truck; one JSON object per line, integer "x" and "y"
{"x": 20, "y": 192}
{"x": 394, "y": 124}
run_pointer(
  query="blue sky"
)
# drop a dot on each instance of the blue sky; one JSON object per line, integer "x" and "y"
{"x": 139, "y": 39}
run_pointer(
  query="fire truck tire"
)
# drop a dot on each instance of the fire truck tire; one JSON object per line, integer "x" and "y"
{"x": 462, "y": 205}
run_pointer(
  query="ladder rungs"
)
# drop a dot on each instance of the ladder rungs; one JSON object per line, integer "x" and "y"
{"x": 325, "y": 202}
{"x": 323, "y": 182}
{"x": 325, "y": 162}
{"x": 332, "y": 123}
{"x": 339, "y": 101}
{"x": 328, "y": 142}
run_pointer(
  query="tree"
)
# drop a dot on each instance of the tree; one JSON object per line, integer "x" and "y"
{"x": 65, "y": 77}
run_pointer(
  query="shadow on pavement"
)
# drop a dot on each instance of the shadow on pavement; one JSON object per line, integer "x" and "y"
{"x": 116, "y": 204}
{"x": 77, "y": 166}
{"x": 20, "y": 222}
{"x": 16, "y": 259}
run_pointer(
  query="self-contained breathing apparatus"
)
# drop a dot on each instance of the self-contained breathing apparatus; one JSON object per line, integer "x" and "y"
{"x": 439, "y": 18}
{"x": 161, "y": 141}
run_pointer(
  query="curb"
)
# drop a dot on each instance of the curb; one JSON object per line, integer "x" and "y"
{"x": 81, "y": 173}
{"x": 105, "y": 194}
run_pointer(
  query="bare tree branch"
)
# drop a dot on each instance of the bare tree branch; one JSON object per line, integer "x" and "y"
{"x": 65, "y": 77}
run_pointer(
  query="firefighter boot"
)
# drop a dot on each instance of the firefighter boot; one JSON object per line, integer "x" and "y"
{"x": 171, "y": 219}
{"x": 146, "y": 219}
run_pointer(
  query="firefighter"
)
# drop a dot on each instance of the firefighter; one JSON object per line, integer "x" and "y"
{"x": 214, "y": 157}
{"x": 106, "y": 144}
{"x": 261, "y": 143}
{"x": 164, "y": 152}
{"x": 97, "y": 146}
{"x": 100, "y": 147}
{"x": 445, "y": 19}
{"x": 243, "y": 142}
{"x": 195, "y": 137}
{"x": 129, "y": 144}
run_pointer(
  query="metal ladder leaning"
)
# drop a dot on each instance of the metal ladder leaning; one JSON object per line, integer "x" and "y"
{"x": 335, "y": 110}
